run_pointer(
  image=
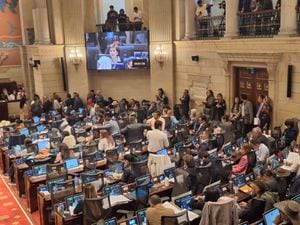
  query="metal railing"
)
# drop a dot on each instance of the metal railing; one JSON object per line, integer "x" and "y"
{"x": 259, "y": 24}
{"x": 211, "y": 27}
{"x": 105, "y": 27}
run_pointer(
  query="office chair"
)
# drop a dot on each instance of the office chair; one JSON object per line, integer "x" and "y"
{"x": 77, "y": 149}
{"x": 96, "y": 178}
{"x": 180, "y": 218}
{"x": 55, "y": 141}
{"x": 89, "y": 161}
{"x": 95, "y": 209}
{"x": 80, "y": 136}
{"x": 33, "y": 148}
{"x": 56, "y": 170}
{"x": 140, "y": 168}
{"x": 88, "y": 149}
{"x": 119, "y": 139}
{"x": 136, "y": 147}
{"x": 112, "y": 157}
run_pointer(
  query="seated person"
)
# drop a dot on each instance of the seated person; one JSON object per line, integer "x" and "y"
{"x": 156, "y": 211}
{"x": 64, "y": 153}
{"x": 192, "y": 179}
{"x": 68, "y": 139}
{"x": 89, "y": 191}
{"x": 128, "y": 175}
{"x": 106, "y": 141}
{"x": 208, "y": 196}
{"x": 261, "y": 151}
{"x": 289, "y": 213}
{"x": 269, "y": 179}
{"x": 242, "y": 158}
{"x": 262, "y": 201}
{"x": 290, "y": 133}
{"x": 204, "y": 141}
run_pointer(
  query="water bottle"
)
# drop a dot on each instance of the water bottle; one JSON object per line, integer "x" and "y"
{"x": 231, "y": 187}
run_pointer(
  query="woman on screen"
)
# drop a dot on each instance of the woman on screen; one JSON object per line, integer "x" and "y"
{"x": 109, "y": 62}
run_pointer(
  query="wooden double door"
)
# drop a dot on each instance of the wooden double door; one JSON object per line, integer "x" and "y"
{"x": 252, "y": 82}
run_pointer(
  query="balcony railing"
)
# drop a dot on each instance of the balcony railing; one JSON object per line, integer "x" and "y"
{"x": 212, "y": 27}
{"x": 108, "y": 27}
{"x": 259, "y": 24}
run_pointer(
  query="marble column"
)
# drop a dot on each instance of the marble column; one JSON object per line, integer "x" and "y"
{"x": 231, "y": 19}
{"x": 40, "y": 22}
{"x": 190, "y": 27}
{"x": 288, "y": 19}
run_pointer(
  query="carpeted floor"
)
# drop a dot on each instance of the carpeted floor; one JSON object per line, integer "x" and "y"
{"x": 12, "y": 208}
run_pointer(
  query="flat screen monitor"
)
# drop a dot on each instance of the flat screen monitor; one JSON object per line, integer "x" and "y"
{"x": 117, "y": 50}
{"x": 184, "y": 202}
{"x": 111, "y": 221}
{"x": 71, "y": 163}
{"x": 239, "y": 180}
{"x": 89, "y": 179}
{"x": 170, "y": 172}
{"x": 24, "y": 132}
{"x": 162, "y": 152}
{"x": 50, "y": 183}
{"x": 270, "y": 216}
{"x": 113, "y": 190}
{"x": 72, "y": 202}
{"x": 44, "y": 144}
{"x": 40, "y": 128}
{"x": 142, "y": 217}
{"x": 39, "y": 170}
{"x": 143, "y": 181}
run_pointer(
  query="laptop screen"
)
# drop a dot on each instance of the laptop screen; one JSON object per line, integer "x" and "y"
{"x": 170, "y": 172}
{"x": 89, "y": 179}
{"x": 239, "y": 180}
{"x": 144, "y": 180}
{"x": 213, "y": 154}
{"x": 240, "y": 142}
{"x": 142, "y": 218}
{"x": 72, "y": 201}
{"x": 184, "y": 202}
{"x": 132, "y": 221}
{"x": 178, "y": 146}
{"x": 36, "y": 119}
{"x": 71, "y": 163}
{"x": 24, "y": 132}
{"x": 275, "y": 164}
{"x": 53, "y": 113}
{"x": 270, "y": 216}
{"x": 112, "y": 221}
{"x": 228, "y": 149}
{"x": 113, "y": 190}
{"x": 258, "y": 170}
{"x": 40, "y": 128}
{"x": 53, "y": 181}
{"x": 43, "y": 144}
{"x": 162, "y": 152}
{"x": 39, "y": 170}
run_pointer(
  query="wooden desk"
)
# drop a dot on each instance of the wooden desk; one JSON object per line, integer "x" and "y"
{"x": 31, "y": 184}
{"x": 19, "y": 170}
{"x": 2, "y": 158}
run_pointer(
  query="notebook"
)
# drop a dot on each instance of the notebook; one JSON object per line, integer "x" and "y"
{"x": 72, "y": 202}
{"x": 71, "y": 163}
{"x": 39, "y": 170}
{"x": 142, "y": 217}
{"x": 270, "y": 216}
{"x": 36, "y": 119}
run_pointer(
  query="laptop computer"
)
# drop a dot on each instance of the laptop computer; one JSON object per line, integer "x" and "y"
{"x": 170, "y": 172}
{"x": 24, "y": 132}
{"x": 240, "y": 182}
{"x": 131, "y": 221}
{"x": 40, "y": 128}
{"x": 72, "y": 202}
{"x": 142, "y": 217}
{"x": 39, "y": 170}
{"x": 296, "y": 198}
{"x": 111, "y": 221}
{"x": 178, "y": 147}
{"x": 240, "y": 142}
{"x": 275, "y": 164}
{"x": 244, "y": 223}
{"x": 228, "y": 149}
{"x": 213, "y": 154}
{"x": 113, "y": 190}
{"x": 50, "y": 183}
{"x": 257, "y": 170}
{"x": 42, "y": 145}
{"x": 71, "y": 163}
{"x": 184, "y": 202}
{"x": 162, "y": 152}
{"x": 270, "y": 216}
{"x": 36, "y": 119}
{"x": 144, "y": 181}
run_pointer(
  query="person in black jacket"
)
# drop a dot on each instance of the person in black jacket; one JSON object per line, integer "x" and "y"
{"x": 185, "y": 101}
{"x": 134, "y": 131}
{"x": 128, "y": 175}
{"x": 77, "y": 102}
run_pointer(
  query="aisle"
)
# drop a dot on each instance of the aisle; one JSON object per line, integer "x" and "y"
{"x": 11, "y": 211}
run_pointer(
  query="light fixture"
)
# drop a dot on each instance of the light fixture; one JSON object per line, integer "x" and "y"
{"x": 75, "y": 56}
{"x": 160, "y": 55}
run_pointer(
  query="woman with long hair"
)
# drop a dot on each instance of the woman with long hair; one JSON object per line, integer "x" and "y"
{"x": 106, "y": 141}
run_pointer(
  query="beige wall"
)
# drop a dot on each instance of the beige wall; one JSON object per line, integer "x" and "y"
{"x": 13, "y": 73}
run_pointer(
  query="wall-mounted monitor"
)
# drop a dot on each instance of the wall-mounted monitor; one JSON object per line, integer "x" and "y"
{"x": 126, "y": 50}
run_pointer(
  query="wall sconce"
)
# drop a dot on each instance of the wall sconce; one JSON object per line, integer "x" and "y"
{"x": 75, "y": 56}
{"x": 160, "y": 55}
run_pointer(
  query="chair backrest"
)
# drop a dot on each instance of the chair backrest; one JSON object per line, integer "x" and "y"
{"x": 87, "y": 149}
{"x": 55, "y": 141}
{"x": 140, "y": 168}
{"x": 56, "y": 170}
{"x": 96, "y": 178}
{"x": 136, "y": 147}
{"x": 33, "y": 148}
{"x": 89, "y": 161}
{"x": 180, "y": 218}
{"x": 112, "y": 156}
{"x": 119, "y": 139}
{"x": 94, "y": 209}
{"x": 62, "y": 189}
{"x": 142, "y": 196}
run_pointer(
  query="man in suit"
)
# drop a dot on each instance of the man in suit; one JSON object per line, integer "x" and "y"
{"x": 134, "y": 131}
{"x": 203, "y": 124}
{"x": 156, "y": 211}
{"x": 247, "y": 114}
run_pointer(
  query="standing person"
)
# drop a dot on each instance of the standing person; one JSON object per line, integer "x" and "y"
{"x": 112, "y": 17}
{"x": 185, "y": 101}
{"x": 220, "y": 107}
{"x": 78, "y": 103}
{"x": 157, "y": 138}
{"x": 210, "y": 105}
{"x": 137, "y": 18}
{"x": 123, "y": 20}
{"x": 161, "y": 99}
{"x": 266, "y": 114}
{"x": 247, "y": 114}
{"x": 260, "y": 101}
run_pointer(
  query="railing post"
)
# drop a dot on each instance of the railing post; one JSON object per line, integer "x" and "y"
{"x": 231, "y": 19}
{"x": 288, "y": 21}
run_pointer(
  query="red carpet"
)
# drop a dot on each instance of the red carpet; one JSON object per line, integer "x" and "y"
{"x": 12, "y": 208}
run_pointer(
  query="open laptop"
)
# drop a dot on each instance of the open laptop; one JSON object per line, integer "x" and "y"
{"x": 296, "y": 198}
{"x": 184, "y": 202}
{"x": 40, "y": 128}
{"x": 71, "y": 163}
{"x": 113, "y": 190}
{"x": 111, "y": 221}
{"x": 275, "y": 164}
{"x": 144, "y": 181}
{"x": 213, "y": 154}
{"x": 170, "y": 173}
{"x": 240, "y": 182}
{"x": 228, "y": 149}
{"x": 142, "y": 217}
{"x": 36, "y": 119}
{"x": 240, "y": 142}
{"x": 42, "y": 145}
{"x": 24, "y": 131}
{"x": 50, "y": 183}
{"x": 257, "y": 170}
{"x": 178, "y": 147}
{"x": 270, "y": 216}
{"x": 131, "y": 221}
{"x": 162, "y": 152}
{"x": 244, "y": 223}
{"x": 39, "y": 170}
{"x": 72, "y": 202}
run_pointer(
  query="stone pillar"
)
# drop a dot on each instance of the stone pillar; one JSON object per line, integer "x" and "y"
{"x": 179, "y": 19}
{"x": 231, "y": 19}
{"x": 288, "y": 18}
{"x": 190, "y": 27}
{"x": 40, "y": 22}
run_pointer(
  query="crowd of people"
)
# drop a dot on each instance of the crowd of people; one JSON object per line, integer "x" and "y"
{"x": 160, "y": 127}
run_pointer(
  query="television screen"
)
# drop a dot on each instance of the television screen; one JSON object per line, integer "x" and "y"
{"x": 117, "y": 50}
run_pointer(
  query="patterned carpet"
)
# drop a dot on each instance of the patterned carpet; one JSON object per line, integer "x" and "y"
{"x": 11, "y": 210}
